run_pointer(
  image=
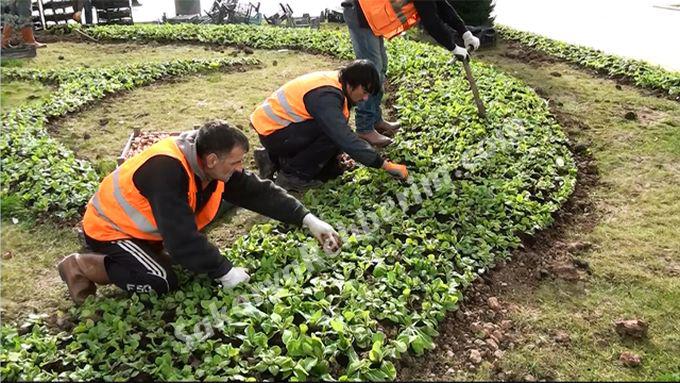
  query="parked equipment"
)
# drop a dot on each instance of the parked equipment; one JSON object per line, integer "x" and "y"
{"x": 288, "y": 20}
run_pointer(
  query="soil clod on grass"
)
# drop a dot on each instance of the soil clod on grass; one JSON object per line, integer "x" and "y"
{"x": 629, "y": 359}
{"x": 634, "y": 328}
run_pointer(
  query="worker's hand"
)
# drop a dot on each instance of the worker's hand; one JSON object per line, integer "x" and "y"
{"x": 460, "y": 53}
{"x": 235, "y": 276}
{"x": 470, "y": 41}
{"x": 396, "y": 170}
{"x": 324, "y": 233}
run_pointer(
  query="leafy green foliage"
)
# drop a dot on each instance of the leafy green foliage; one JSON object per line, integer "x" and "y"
{"x": 42, "y": 173}
{"x": 639, "y": 72}
{"x": 305, "y": 315}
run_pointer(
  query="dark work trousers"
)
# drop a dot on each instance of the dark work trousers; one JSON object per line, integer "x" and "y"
{"x": 135, "y": 265}
{"x": 303, "y": 150}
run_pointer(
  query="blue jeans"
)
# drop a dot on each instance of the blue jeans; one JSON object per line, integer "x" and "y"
{"x": 368, "y": 46}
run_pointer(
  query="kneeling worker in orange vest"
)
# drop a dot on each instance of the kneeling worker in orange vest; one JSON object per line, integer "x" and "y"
{"x": 162, "y": 197}
{"x": 303, "y": 127}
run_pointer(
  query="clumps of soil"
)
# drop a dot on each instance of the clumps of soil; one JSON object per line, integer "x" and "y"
{"x": 629, "y": 359}
{"x": 633, "y": 328}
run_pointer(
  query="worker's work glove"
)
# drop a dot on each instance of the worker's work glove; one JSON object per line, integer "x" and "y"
{"x": 324, "y": 233}
{"x": 470, "y": 41}
{"x": 235, "y": 276}
{"x": 396, "y": 170}
{"x": 460, "y": 53}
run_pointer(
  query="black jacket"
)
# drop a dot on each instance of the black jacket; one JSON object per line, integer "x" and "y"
{"x": 164, "y": 182}
{"x": 325, "y": 105}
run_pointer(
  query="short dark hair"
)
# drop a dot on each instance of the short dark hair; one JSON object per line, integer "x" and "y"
{"x": 220, "y": 138}
{"x": 361, "y": 72}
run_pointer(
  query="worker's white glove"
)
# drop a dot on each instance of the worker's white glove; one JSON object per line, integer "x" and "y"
{"x": 235, "y": 276}
{"x": 324, "y": 233}
{"x": 470, "y": 41}
{"x": 460, "y": 53}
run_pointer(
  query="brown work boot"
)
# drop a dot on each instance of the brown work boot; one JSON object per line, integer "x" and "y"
{"x": 6, "y": 36}
{"x": 264, "y": 163}
{"x": 376, "y": 139}
{"x": 388, "y": 129}
{"x": 29, "y": 39}
{"x": 81, "y": 272}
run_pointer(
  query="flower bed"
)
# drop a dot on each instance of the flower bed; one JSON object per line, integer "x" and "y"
{"x": 410, "y": 251}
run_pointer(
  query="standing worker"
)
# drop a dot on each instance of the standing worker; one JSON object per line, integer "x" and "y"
{"x": 17, "y": 14}
{"x": 303, "y": 127}
{"x": 370, "y": 21}
{"x": 162, "y": 197}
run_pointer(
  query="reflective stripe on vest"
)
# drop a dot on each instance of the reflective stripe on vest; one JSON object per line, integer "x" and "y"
{"x": 135, "y": 215}
{"x": 397, "y": 8}
{"x": 119, "y": 211}
{"x": 286, "y": 105}
{"x": 389, "y": 18}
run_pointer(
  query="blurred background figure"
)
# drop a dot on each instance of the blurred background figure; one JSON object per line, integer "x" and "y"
{"x": 16, "y": 15}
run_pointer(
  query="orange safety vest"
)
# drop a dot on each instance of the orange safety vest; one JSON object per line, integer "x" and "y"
{"x": 119, "y": 211}
{"x": 286, "y": 105}
{"x": 388, "y": 18}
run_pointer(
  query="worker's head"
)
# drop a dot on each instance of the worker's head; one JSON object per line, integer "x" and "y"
{"x": 360, "y": 79}
{"x": 221, "y": 148}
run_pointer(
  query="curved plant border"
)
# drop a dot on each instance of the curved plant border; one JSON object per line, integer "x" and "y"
{"x": 410, "y": 251}
{"x": 640, "y": 73}
{"x": 42, "y": 177}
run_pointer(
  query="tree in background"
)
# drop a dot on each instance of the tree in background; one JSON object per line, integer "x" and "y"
{"x": 474, "y": 12}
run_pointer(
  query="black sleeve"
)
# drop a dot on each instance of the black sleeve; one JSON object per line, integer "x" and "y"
{"x": 436, "y": 24}
{"x": 448, "y": 13}
{"x": 164, "y": 182}
{"x": 248, "y": 191}
{"x": 325, "y": 105}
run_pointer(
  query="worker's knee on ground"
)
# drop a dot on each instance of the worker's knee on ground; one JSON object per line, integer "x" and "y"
{"x": 163, "y": 284}
{"x": 133, "y": 280}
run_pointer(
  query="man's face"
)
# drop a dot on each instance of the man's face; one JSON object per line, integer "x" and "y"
{"x": 357, "y": 93}
{"x": 221, "y": 168}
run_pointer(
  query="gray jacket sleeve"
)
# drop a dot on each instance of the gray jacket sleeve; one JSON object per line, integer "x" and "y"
{"x": 325, "y": 105}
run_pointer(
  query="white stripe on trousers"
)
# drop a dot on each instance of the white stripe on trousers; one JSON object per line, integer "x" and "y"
{"x": 145, "y": 259}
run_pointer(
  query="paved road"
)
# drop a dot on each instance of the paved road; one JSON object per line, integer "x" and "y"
{"x": 629, "y": 28}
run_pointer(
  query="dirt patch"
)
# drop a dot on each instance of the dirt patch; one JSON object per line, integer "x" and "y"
{"x": 532, "y": 57}
{"x": 647, "y": 116}
{"x": 632, "y": 328}
{"x": 480, "y": 331}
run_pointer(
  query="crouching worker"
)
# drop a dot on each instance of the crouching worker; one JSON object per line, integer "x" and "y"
{"x": 162, "y": 198}
{"x": 303, "y": 127}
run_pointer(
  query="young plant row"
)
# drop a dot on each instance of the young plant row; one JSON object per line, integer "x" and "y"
{"x": 40, "y": 176}
{"x": 639, "y": 72}
{"x": 410, "y": 248}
